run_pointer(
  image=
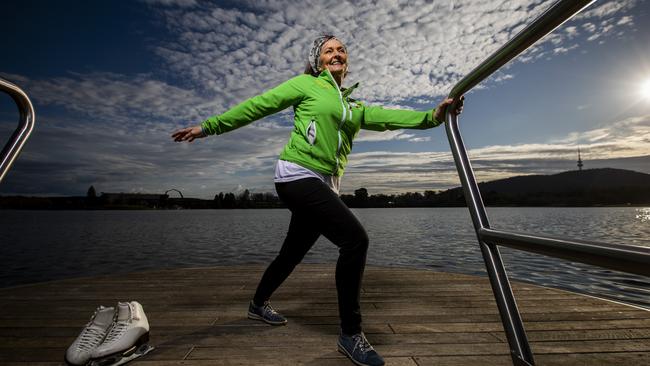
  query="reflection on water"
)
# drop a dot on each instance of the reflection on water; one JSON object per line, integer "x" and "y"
{"x": 45, "y": 245}
{"x": 643, "y": 214}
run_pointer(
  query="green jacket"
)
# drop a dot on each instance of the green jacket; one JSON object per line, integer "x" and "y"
{"x": 326, "y": 120}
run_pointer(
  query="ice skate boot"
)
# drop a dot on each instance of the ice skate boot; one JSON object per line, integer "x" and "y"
{"x": 126, "y": 339}
{"x": 80, "y": 351}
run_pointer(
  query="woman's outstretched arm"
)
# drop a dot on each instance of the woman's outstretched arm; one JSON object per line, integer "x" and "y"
{"x": 380, "y": 119}
{"x": 272, "y": 101}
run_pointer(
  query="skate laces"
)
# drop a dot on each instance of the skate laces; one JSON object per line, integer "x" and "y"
{"x": 117, "y": 330}
{"x": 119, "y": 327}
{"x": 90, "y": 338}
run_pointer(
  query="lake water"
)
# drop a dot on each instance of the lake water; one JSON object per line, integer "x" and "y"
{"x": 40, "y": 246}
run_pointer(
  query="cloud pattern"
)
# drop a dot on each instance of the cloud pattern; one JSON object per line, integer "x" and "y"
{"x": 116, "y": 131}
{"x": 401, "y": 52}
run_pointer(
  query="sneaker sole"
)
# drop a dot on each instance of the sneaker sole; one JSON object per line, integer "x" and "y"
{"x": 257, "y": 317}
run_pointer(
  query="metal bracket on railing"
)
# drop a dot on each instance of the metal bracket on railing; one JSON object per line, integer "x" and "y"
{"x": 25, "y": 126}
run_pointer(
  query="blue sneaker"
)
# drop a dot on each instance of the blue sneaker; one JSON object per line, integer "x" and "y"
{"x": 266, "y": 314}
{"x": 357, "y": 348}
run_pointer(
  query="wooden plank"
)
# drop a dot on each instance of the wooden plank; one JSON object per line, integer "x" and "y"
{"x": 245, "y": 326}
{"x": 583, "y": 335}
{"x": 412, "y": 317}
{"x": 563, "y": 347}
{"x": 276, "y": 340}
{"x": 598, "y": 358}
{"x": 444, "y": 327}
{"x": 581, "y": 359}
{"x": 259, "y": 360}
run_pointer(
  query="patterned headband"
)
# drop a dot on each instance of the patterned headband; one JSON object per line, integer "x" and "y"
{"x": 314, "y": 53}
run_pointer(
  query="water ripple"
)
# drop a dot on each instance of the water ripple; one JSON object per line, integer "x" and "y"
{"x": 45, "y": 245}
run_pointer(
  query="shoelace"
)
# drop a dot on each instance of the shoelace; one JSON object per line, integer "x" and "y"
{"x": 90, "y": 338}
{"x": 361, "y": 342}
{"x": 117, "y": 330}
{"x": 268, "y": 308}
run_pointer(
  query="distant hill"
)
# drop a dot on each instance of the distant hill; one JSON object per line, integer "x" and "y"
{"x": 586, "y": 180}
{"x": 594, "y": 187}
{"x": 590, "y": 187}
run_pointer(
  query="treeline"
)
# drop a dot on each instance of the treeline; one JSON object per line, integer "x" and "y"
{"x": 361, "y": 199}
{"x": 622, "y": 196}
{"x": 140, "y": 201}
{"x": 246, "y": 200}
{"x": 619, "y": 196}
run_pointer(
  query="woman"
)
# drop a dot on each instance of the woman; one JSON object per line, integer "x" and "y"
{"x": 308, "y": 173}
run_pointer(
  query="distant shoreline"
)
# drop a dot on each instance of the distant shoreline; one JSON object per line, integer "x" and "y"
{"x": 604, "y": 187}
{"x": 25, "y": 205}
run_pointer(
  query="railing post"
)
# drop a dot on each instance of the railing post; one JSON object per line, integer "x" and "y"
{"x": 25, "y": 126}
{"x": 512, "y": 323}
{"x": 557, "y": 14}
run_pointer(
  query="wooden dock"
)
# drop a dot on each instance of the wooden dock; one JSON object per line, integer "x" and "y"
{"x": 412, "y": 317}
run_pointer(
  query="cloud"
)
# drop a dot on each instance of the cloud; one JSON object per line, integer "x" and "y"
{"x": 374, "y": 136}
{"x": 400, "y": 52}
{"x": 119, "y": 99}
{"x": 597, "y": 21}
{"x": 619, "y": 144}
{"x": 403, "y": 54}
{"x": 115, "y": 134}
{"x": 606, "y": 9}
{"x": 367, "y": 136}
{"x": 66, "y": 157}
{"x": 179, "y": 3}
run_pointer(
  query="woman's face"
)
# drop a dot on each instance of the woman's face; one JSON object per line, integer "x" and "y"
{"x": 333, "y": 57}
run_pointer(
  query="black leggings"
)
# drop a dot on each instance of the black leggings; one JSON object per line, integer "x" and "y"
{"x": 315, "y": 210}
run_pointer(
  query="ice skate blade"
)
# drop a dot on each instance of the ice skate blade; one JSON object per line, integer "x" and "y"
{"x": 119, "y": 358}
{"x": 124, "y": 357}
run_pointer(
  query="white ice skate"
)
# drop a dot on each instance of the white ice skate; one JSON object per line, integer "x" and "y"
{"x": 126, "y": 339}
{"x": 79, "y": 352}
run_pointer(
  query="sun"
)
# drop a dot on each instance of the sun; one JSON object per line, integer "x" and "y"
{"x": 645, "y": 89}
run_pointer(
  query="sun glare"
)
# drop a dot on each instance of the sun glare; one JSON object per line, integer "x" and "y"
{"x": 645, "y": 89}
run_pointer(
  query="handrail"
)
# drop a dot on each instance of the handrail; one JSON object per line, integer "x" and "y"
{"x": 25, "y": 126}
{"x": 619, "y": 257}
{"x": 627, "y": 258}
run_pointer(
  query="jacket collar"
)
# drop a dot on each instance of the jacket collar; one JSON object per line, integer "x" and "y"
{"x": 345, "y": 92}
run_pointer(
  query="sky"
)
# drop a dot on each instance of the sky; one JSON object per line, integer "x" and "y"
{"x": 111, "y": 80}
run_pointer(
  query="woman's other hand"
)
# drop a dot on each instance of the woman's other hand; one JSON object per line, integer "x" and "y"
{"x": 440, "y": 109}
{"x": 188, "y": 134}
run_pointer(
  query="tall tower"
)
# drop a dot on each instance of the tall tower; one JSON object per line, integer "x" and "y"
{"x": 579, "y": 161}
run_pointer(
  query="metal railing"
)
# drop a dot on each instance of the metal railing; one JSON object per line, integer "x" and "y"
{"x": 626, "y": 258}
{"x": 25, "y": 126}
